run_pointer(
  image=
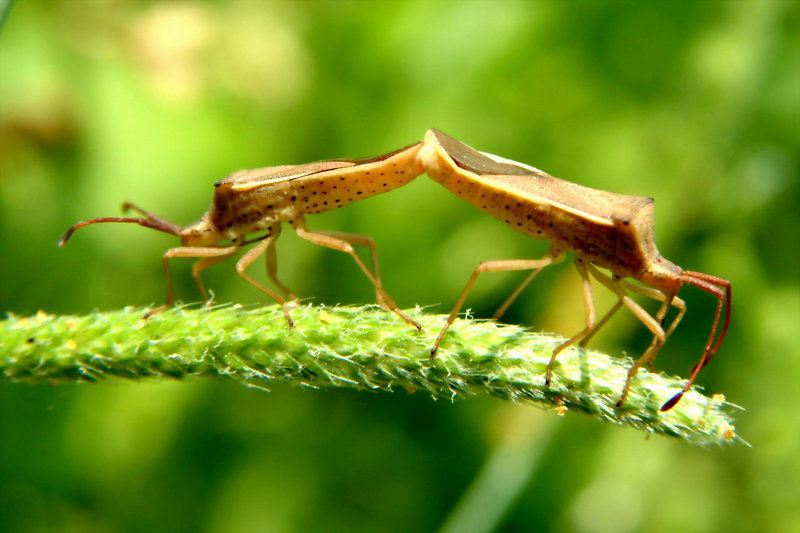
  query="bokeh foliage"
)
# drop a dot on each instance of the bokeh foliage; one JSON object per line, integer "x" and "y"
{"x": 695, "y": 104}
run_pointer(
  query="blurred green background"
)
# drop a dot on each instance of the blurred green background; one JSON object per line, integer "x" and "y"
{"x": 693, "y": 103}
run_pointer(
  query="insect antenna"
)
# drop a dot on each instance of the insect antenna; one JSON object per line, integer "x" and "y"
{"x": 158, "y": 224}
{"x": 714, "y": 286}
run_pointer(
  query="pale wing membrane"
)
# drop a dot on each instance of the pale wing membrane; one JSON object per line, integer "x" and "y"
{"x": 476, "y": 162}
{"x": 246, "y": 180}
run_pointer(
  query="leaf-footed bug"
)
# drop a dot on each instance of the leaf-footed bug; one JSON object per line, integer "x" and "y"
{"x": 259, "y": 200}
{"x": 602, "y": 229}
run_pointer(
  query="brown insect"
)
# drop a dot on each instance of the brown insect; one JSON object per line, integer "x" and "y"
{"x": 255, "y": 201}
{"x": 602, "y": 229}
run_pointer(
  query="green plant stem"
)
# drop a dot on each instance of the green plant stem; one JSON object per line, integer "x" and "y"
{"x": 356, "y": 347}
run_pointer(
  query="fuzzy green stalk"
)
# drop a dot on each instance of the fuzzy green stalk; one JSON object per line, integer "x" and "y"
{"x": 363, "y": 348}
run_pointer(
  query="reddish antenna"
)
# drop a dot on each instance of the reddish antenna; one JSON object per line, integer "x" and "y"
{"x": 150, "y": 221}
{"x": 714, "y": 286}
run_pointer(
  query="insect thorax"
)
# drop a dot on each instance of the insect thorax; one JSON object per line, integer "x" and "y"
{"x": 237, "y": 213}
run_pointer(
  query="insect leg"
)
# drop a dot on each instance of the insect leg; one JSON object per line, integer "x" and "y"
{"x": 248, "y": 259}
{"x": 588, "y": 303}
{"x": 203, "y": 264}
{"x": 650, "y": 293}
{"x": 272, "y": 273}
{"x": 659, "y": 337}
{"x": 210, "y": 252}
{"x": 503, "y": 308}
{"x": 342, "y": 245}
{"x": 362, "y": 240}
{"x": 667, "y": 302}
{"x": 491, "y": 266}
{"x": 611, "y": 312}
{"x": 272, "y": 263}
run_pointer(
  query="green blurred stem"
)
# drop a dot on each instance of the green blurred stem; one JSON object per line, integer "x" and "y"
{"x": 363, "y": 348}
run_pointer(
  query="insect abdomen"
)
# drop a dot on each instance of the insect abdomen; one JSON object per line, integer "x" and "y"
{"x": 532, "y": 219}
{"x": 322, "y": 192}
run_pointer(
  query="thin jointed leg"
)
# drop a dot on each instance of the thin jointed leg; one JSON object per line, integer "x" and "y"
{"x": 588, "y": 304}
{"x": 209, "y": 252}
{"x": 650, "y": 293}
{"x": 492, "y": 266}
{"x": 342, "y": 245}
{"x": 272, "y": 262}
{"x": 362, "y": 240}
{"x": 557, "y": 257}
{"x": 205, "y": 263}
{"x": 659, "y": 337}
{"x": 248, "y": 259}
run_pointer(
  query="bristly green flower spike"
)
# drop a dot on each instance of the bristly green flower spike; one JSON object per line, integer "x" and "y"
{"x": 363, "y": 348}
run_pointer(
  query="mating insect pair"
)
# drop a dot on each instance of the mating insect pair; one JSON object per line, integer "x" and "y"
{"x": 602, "y": 229}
